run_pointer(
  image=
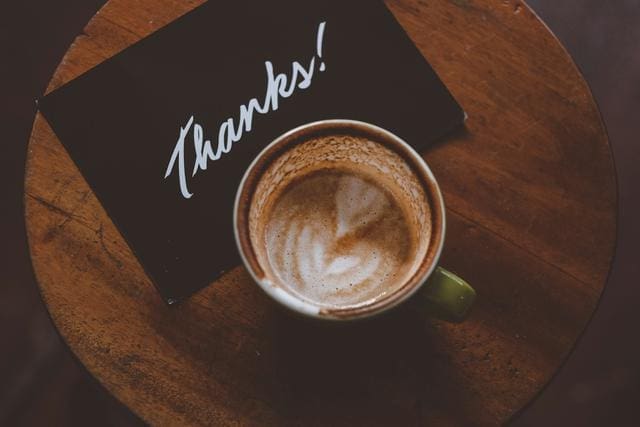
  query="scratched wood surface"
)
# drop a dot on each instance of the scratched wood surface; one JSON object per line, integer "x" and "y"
{"x": 531, "y": 196}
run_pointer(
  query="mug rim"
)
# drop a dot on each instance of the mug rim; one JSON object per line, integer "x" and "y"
{"x": 298, "y": 305}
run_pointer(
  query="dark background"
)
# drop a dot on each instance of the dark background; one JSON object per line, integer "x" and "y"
{"x": 42, "y": 384}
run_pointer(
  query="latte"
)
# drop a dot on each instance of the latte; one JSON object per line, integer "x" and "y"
{"x": 340, "y": 221}
{"x": 338, "y": 238}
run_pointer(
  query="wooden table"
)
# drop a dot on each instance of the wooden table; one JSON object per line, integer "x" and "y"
{"x": 531, "y": 194}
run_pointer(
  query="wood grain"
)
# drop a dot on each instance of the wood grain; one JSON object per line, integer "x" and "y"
{"x": 531, "y": 203}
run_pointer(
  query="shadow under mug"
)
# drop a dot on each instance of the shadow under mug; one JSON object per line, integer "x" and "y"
{"x": 445, "y": 295}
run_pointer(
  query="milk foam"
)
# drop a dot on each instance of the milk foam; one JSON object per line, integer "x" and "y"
{"x": 336, "y": 238}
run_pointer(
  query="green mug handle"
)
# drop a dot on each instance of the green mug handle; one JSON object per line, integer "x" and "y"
{"x": 448, "y": 297}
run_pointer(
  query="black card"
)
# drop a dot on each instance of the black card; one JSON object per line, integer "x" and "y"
{"x": 224, "y": 81}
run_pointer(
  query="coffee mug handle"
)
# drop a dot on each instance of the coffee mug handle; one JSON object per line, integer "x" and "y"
{"x": 448, "y": 296}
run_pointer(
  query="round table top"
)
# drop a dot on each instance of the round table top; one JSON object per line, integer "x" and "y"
{"x": 531, "y": 201}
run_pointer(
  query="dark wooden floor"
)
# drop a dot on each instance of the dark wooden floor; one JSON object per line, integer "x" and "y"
{"x": 42, "y": 384}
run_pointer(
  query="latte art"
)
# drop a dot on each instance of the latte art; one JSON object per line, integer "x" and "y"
{"x": 337, "y": 238}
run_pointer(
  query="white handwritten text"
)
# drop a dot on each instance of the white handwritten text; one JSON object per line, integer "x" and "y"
{"x": 279, "y": 86}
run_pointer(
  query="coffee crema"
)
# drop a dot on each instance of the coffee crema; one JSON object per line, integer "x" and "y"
{"x": 336, "y": 237}
{"x": 339, "y": 221}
